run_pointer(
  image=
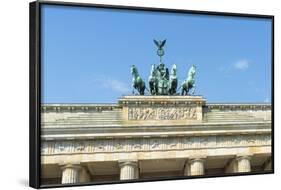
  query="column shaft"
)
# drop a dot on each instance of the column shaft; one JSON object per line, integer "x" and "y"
{"x": 70, "y": 173}
{"x": 129, "y": 170}
{"x": 197, "y": 166}
{"x": 243, "y": 164}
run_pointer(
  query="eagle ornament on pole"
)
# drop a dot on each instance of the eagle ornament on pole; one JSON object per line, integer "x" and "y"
{"x": 160, "y": 44}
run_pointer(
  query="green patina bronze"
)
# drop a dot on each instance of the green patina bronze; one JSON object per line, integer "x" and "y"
{"x": 160, "y": 81}
{"x": 137, "y": 81}
{"x": 189, "y": 83}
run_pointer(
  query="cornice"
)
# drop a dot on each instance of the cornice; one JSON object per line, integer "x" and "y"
{"x": 155, "y": 131}
{"x": 78, "y": 107}
{"x": 109, "y": 107}
{"x": 239, "y": 106}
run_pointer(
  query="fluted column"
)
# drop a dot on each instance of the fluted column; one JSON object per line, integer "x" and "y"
{"x": 70, "y": 173}
{"x": 197, "y": 166}
{"x": 129, "y": 170}
{"x": 243, "y": 164}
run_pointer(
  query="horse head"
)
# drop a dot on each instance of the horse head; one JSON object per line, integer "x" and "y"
{"x": 134, "y": 70}
{"x": 191, "y": 72}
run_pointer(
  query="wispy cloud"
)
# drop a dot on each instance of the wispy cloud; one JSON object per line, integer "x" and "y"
{"x": 242, "y": 64}
{"x": 112, "y": 84}
{"x": 266, "y": 100}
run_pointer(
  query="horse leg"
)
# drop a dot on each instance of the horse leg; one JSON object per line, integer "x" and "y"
{"x": 193, "y": 90}
{"x": 151, "y": 88}
{"x": 156, "y": 89}
{"x": 142, "y": 88}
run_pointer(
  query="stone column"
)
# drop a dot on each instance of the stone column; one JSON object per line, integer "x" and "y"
{"x": 70, "y": 173}
{"x": 129, "y": 170}
{"x": 197, "y": 166}
{"x": 243, "y": 164}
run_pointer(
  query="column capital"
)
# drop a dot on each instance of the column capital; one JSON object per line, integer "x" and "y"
{"x": 70, "y": 173}
{"x": 128, "y": 169}
{"x": 128, "y": 162}
{"x": 196, "y": 159}
{"x": 71, "y": 165}
{"x": 243, "y": 163}
{"x": 196, "y": 165}
{"x": 244, "y": 156}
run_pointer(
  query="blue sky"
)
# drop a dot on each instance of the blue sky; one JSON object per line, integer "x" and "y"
{"x": 87, "y": 53}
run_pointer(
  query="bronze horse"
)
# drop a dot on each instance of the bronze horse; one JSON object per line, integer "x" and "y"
{"x": 137, "y": 82}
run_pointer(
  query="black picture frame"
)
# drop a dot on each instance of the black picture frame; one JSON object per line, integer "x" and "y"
{"x": 35, "y": 85}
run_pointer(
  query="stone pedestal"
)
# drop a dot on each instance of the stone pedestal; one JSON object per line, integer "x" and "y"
{"x": 128, "y": 170}
{"x": 70, "y": 173}
{"x": 197, "y": 166}
{"x": 162, "y": 109}
{"x": 243, "y": 164}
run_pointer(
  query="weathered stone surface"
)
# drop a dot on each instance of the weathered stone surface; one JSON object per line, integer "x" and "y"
{"x": 197, "y": 166}
{"x": 159, "y": 108}
{"x": 128, "y": 169}
{"x": 153, "y": 144}
{"x": 145, "y": 136}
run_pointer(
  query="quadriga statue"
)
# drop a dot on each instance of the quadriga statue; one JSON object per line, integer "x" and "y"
{"x": 160, "y": 81}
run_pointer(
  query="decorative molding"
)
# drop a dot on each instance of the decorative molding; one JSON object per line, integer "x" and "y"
{"x": 110, "y": 107}
{"x": 79, "y": 107}
{"x": 133, "y": 163}
{"x": 161, "y": 101}
{"x": 238, "y": 106}
{"x": 152, "y": 144}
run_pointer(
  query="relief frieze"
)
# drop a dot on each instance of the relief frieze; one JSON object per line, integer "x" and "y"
{"x": 152, "y": 144}
{"x": 161, "y": 113}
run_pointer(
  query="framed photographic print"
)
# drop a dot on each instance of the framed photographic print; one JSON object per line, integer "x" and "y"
{"x": 131, "y": 94}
